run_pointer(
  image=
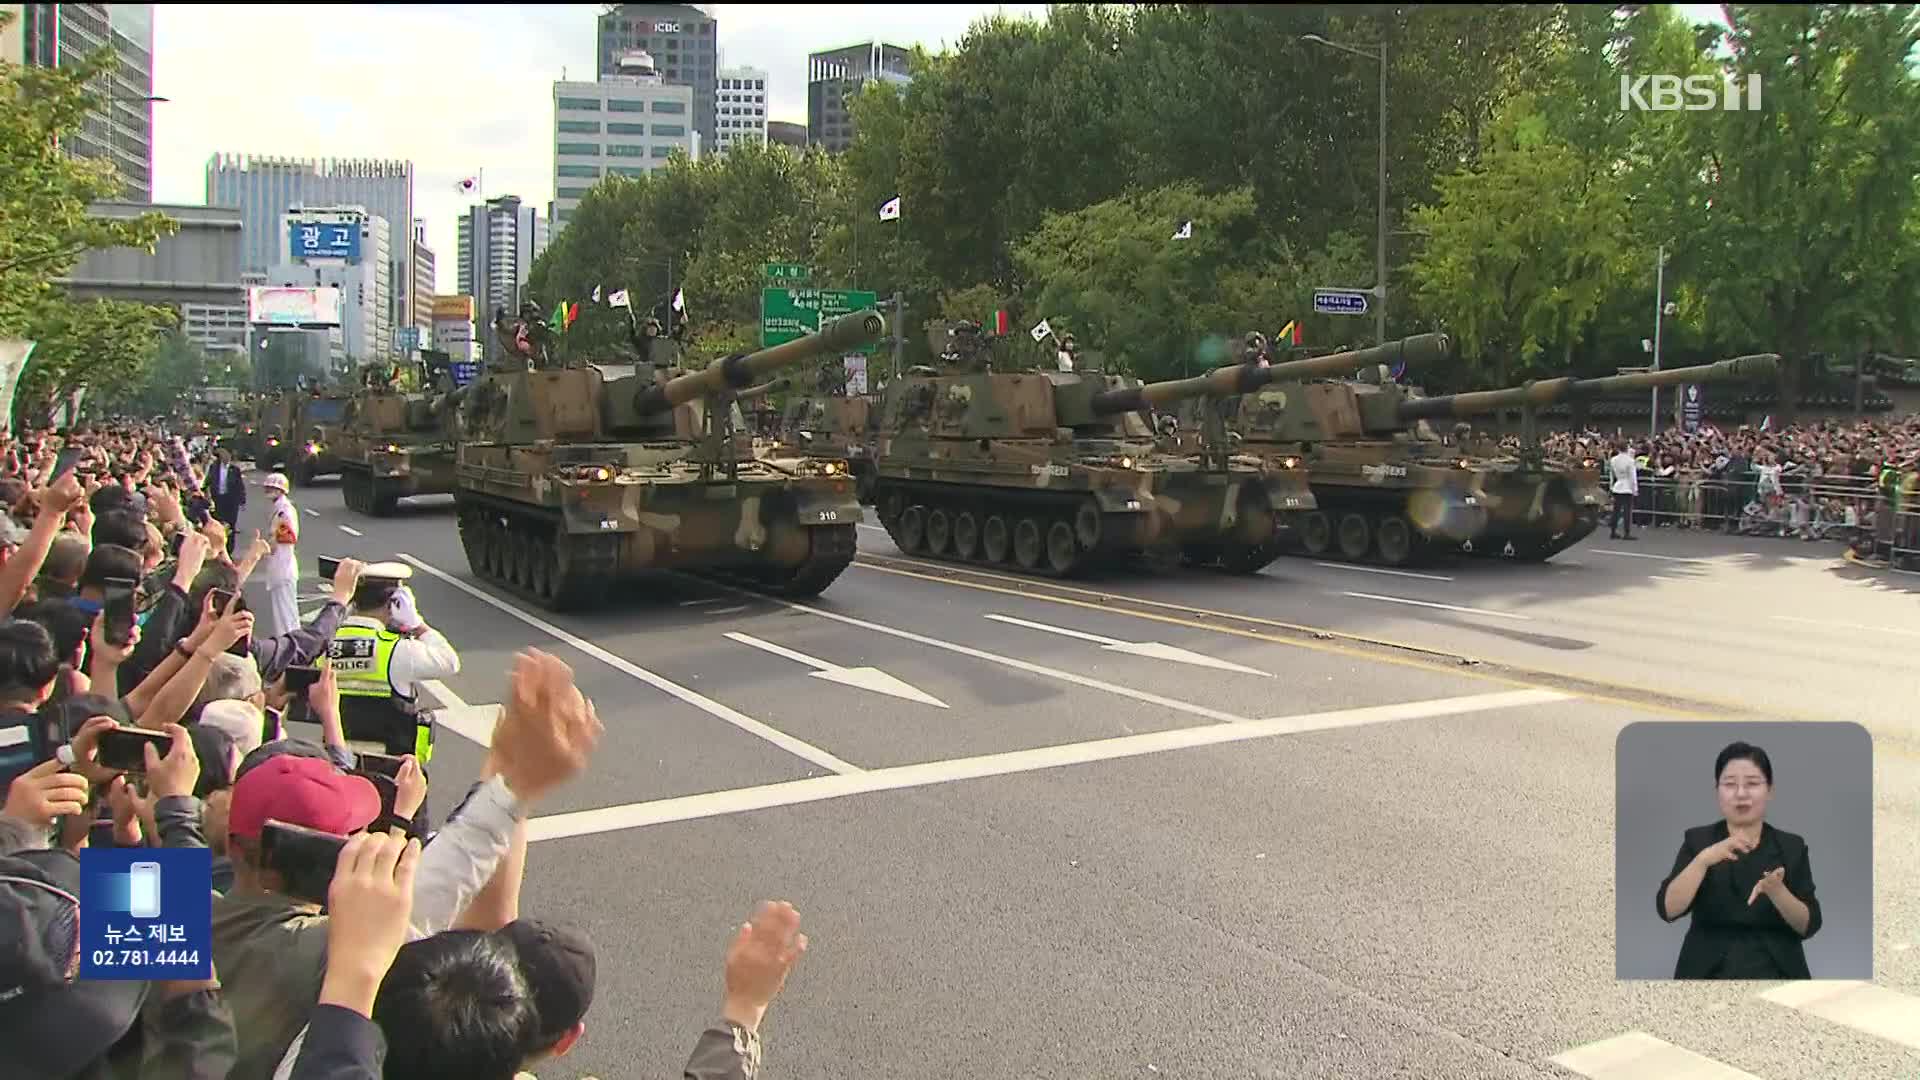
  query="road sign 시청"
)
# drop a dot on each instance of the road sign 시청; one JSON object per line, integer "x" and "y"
{"x": 789, "y": 314}
{"x": 1339, "y": 302}
{"x": 788, "y": 272}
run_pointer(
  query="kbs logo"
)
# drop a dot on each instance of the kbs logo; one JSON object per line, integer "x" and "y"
{"x": 1695, "y": 93}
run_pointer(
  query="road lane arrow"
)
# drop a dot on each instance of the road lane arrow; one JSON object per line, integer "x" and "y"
{"x": 862, "y": 678}
{"x": 1153, "y": 650}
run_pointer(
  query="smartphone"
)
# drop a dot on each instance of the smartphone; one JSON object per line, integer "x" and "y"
{"x": 123, "y": 748}
{"x": 144, "y": 890}
{"x": 221, "y": 598}
{"x": 65, "y": 461}
{"x": 119, "y": 609}
{"x": 383, "y": 764}
{"x": 329, "y": 566}
{"x": 388, "y": 789}
{"x": 300, "y": 678}
{"x": 304, "y": 858}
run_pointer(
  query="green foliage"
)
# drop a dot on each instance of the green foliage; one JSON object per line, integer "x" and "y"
{"x": 1796, "y": 216}
{"x": 1043, "y": 166}
{"x": 45, "y": 228}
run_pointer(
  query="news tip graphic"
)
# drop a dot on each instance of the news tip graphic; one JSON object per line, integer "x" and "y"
{"x": 146, "y": 913}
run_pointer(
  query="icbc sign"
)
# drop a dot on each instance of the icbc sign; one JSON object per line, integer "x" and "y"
{"x": 660, "y": 28}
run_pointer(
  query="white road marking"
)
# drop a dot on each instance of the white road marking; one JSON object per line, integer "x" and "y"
{"x": 472, "y": 722}
{"x": 1431, "y": 604}
{"x": 1644, "y": 555}
{"x": 1849, "y": 626}
{"x": 699, "y": 701}
{"x": 728, "y": 610}
{"x": 1862, "y": 1006}
{"x": 309, "y": 511}
{"x": 860, "y": 678}
{"x": 1021, "y": 665}
{"x": 872, "y": 528}
{"x": 1153, "y": 650}
{"x": 1638, "y": 1055}
{"x": 697, "y": 603}
{"x": 816, "y": 789}
{"x": 350, "y": 530}
{"x": 1382, "y": 570}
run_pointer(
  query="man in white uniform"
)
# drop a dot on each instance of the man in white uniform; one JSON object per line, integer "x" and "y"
{"x": 279, "y": 572}
{"x": 1624, "y": 470}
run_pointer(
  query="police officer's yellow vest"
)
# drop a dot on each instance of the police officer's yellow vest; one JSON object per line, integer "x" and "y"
{"x": 362, "y": 660}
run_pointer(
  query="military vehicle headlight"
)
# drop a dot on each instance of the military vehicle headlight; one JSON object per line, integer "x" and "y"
{"x": 273, "y": 442}
{"x": 393, "y": 448}
{"x": 313, "y": 448}
{"x": 1463, "y": 463}
{"x": 1290, "y": 463}
{"x": 1126, "y": 463}
{"x": 598, "y": 474}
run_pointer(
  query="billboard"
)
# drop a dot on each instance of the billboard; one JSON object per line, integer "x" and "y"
{"x": 324, "y": 240}
{"x": 288, "y": 305}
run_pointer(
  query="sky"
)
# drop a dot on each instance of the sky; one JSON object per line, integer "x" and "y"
{"x": 453, "y": 88}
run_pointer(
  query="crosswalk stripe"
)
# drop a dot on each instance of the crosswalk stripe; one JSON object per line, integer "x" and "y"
{"x": 1639, "y": 1056}
{"x": 1862, "y": 1006}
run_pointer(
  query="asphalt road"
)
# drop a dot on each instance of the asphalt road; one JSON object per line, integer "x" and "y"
{"x": 1200, "y": 827}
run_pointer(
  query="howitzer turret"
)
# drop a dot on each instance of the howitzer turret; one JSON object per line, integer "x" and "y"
{"x": 571, "y": 478}
{"x": 736, "y": 372}
{"x": 1391, "y": 489}
{"x": 1246, "y": 378}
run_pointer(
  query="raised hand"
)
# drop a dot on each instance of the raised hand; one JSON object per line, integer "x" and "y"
{"x": 46, "y": 792}
{"x": 759, "y": 959}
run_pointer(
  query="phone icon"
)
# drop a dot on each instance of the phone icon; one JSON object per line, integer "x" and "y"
{"x": 144, "y": 892}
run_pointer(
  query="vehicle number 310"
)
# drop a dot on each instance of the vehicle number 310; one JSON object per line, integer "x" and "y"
{"x": 826, "y": 515}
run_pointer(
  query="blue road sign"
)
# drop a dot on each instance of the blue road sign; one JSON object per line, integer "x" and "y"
{"x": 1339, "y": 302}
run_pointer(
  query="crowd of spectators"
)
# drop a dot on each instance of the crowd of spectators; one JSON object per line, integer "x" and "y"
{"x": 1841, "y": 480}
{"x": 377, "y": 945}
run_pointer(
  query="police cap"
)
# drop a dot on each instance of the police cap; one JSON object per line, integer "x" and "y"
{"x": 387, "y": 573}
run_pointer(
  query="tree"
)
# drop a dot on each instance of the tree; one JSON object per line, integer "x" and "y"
{"x": 1521, "y": 250}
{"x": 103, "y": 345}
{"x": 1793, "y": 216}
{"x": 45, "y": 228}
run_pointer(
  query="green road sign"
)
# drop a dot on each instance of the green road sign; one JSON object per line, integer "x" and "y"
{"x": 788, "y": 314}
{"x": 788, "y": 272}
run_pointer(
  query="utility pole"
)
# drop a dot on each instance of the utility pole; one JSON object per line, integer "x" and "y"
{"x": 1380, "y": 248}
{"x": 899, "y": 331}
{"x": 1659, "y": 309}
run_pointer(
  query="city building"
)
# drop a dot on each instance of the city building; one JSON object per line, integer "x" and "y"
{"x": 265, "y": 188}
{"x": 498, "y": 242}
{"x": 626, "y": 124}
{"x": 121, "y": 130}
{"x": 683, "y": 38}
{"x": 453, "y": 327}
{"x": 787, "y": 133}
{"x": 348, "y": 248}
{"x": 424, "y": 284}
{"x": 742, "y": 106}
{"x": 196, "y": 271}
{"x": 836, "y": 76}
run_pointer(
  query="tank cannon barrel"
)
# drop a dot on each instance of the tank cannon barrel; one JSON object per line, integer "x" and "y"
{"x": 1246, "y": 378}
{"x": 743, "y": 371}
{"x": 1551, "y": 391}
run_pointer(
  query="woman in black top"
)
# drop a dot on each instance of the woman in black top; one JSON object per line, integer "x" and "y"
{"x": 1748, "y": 885}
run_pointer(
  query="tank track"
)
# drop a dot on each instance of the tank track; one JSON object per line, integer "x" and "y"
{"x": 361, "y": 492}
{"x": 563, "y": 571}
{"x": 1378, "y": 531}
{"x": 1036, "y": 532}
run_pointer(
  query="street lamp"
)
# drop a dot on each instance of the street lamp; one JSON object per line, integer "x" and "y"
{"x": 1376, "y": 53}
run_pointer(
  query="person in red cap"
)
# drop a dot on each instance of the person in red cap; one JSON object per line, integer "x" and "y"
{"x": 265, "y": 938}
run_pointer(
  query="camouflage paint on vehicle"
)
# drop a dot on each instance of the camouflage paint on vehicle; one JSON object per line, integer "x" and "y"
{"x": 571, "y": 478}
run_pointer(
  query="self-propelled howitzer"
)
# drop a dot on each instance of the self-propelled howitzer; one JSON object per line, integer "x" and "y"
{"x": 1054, "y": 472}
{"x": 393, "y": 446}
{"x": 1390, "y": 488}
{"x": 571, "y": 478}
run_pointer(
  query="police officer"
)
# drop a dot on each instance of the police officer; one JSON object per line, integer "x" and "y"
{"x": 381, "y": 654}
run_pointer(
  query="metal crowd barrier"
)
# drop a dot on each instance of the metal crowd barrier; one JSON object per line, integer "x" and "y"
{"x": 1805, "y": 508}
